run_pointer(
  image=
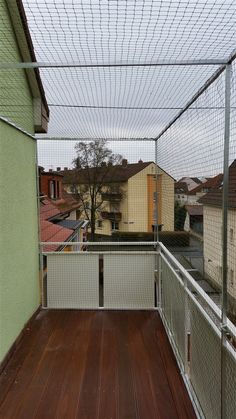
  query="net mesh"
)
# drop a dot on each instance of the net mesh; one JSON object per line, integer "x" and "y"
{"x": 116, "y": 102}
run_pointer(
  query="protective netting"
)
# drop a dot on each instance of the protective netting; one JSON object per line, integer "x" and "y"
{"x": 118, "y": 102}
{"x": 99, "y": 100}
{"x": 198, "y": 135}
{"x": 133, "y": 31}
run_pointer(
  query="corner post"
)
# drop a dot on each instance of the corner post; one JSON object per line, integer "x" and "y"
{"x": 156, "y": 233}
{"x": 225, "y": 237}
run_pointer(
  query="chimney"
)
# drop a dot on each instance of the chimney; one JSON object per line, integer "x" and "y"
{"x": 50, "y": 170}
{"x": 110, "y": 163}
{"x": 140, "y": 161}
{"x": 65, "y": 169}
{"x": 124, "y": 162}
{"x": 58, "y": 169}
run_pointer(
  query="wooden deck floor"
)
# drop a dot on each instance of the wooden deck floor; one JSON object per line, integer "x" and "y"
{"x": 94, "y": 365}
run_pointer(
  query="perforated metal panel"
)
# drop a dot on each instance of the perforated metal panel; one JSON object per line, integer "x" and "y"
{"x": 72, "y": 280}
{"x": 173, "y": 306}
{"x": 230, "y": 384}
{"x": 205, "y": 363}
{"x": 129, "y": 281}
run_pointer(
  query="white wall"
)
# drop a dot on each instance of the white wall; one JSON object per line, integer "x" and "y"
{"x": 212, "y": 246}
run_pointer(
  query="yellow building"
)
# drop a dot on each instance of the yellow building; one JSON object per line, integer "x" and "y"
{"x": 128, "y": 197}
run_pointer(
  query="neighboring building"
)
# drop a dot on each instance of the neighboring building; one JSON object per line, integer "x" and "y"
{"x": 50, "y": 185}
{"x": 23, "y": 112}
{"x": 181, "y": 193}
{"x": 128, "y": 196}
{"x": 212, "y": 213}
{"x": 56, "y": 227}
{"x": 191, "y": 197}
{"x": 192, "y": 182}
{"x": 59, "y": 213}
{"x": 211, "y": 184}
{"x": 194, "y": 219}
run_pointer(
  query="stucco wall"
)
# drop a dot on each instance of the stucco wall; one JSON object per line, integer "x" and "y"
{"x": 212, "y": 246}
{"x": 168, "y": 198}
{"x": 138, "y": 200}
{"x": 19, "y": 276}
{"x": 16, "y": 102}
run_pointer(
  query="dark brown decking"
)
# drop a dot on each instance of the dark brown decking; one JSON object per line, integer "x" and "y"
{"x": 94, "y": 365}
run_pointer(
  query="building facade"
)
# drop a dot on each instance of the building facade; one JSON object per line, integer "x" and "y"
{"x": 212, "y": 232}
{"x": 128, "y": 204}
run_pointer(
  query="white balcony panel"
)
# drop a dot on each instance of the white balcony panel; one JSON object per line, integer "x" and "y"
{"x": 230, "y": 403}
{"x": 205, "y": 363}
{"x": 129, "y": 281}
{"x": 173, "y": 306}
{"x": 72, "y": 280}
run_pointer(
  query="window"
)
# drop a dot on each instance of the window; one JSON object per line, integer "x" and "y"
{"x": 155, "y": 196}
{"x": 52, "y": 189}
{"x": 99, "y": 223}
{"x": 114, "y": 225}
{"x": 231, "y": 236}
{"x": 58, "y": 189}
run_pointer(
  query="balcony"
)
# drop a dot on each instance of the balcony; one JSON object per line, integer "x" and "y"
{"x": 112, "y": 216}
{"x": 121, "y": 334}
{"x": 112, "y": 196}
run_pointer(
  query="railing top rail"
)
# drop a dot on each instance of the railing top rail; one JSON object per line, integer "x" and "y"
{"x": 153, "y": 243}
{"x": 104, "y": 252}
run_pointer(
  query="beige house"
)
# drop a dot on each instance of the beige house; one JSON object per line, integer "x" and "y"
{"x": 212, "y": 233}
{"x": 128, "y": 197}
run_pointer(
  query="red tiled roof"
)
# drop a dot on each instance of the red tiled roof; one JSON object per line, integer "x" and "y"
{"x": 67, "y": 203}
{"x": 211, "y": 183}
{"x": 53, "y": 233}
{"x": 107, "y": 174}
{"x": 214, "y": 197}
{"x": 47, "y": 209}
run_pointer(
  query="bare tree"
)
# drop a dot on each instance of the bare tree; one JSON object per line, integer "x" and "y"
{"x": 96, "y": 165}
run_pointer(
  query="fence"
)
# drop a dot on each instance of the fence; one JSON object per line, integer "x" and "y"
{"x": 193, "y": 324}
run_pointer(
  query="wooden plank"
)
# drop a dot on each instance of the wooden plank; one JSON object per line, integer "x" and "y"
{"x": 108, "y": 384}
{"x": 155, "y": 396}
{"x": 22, "y": 366}
{"x": 179, "y": 393}
{"x": 69, "y": 396}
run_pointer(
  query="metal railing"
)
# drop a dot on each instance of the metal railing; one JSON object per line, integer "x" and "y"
{"x": 149, "y": 277}
{"x": 193, "y": 324}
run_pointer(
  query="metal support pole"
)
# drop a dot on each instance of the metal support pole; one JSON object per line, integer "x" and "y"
{"x": 225, "y": 238}
{"x": 78, "y": 64}
{"x": 39, "y": 227}
{"x": 156, "y": 233}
